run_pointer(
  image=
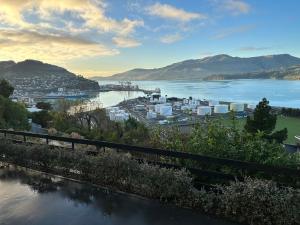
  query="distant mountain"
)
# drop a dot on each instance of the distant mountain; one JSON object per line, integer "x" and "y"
{"x": 291, "y": 73}
{"x": 224, "y": 65}
{"x": 36, "y": 76}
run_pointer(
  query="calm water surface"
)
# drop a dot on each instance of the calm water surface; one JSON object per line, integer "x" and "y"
{"x": 29, "y": 198}
{"x": 279, "y": 92}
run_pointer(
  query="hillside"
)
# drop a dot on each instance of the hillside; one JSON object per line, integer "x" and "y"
{"x": 290, "y": 73}
{"x": 224, "y": 65}
{"x": 35, "y": 76}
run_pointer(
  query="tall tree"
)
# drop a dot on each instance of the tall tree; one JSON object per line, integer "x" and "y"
{"x": 13, "y": 115}
{"x": 5, "y": 88}
{"x": 264, "y": 120}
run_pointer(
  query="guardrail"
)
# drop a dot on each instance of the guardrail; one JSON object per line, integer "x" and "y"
{"x": 235, "y": 164}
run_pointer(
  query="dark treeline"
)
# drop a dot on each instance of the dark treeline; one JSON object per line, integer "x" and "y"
{"x": 290, "y": 112}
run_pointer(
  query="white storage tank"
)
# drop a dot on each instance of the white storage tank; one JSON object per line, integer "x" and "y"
{"x": 237, "y": 107}
{"x": 157, "y": 108}
{"x": 151, "y": 115}
{"x": 204, "y": 110}
{"x": 251, "y": 106}
{"x": 213, "y": 102}
{"x": 221, "y": 109}
{"x": 165, "y": 110}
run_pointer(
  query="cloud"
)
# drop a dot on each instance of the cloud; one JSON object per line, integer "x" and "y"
{"x": 57, "y": 31}
{"x": 252, "y": 48}
{"x": 171, "y": 38}
{"x": 170, "y": 12}
{"x": 91, "y": 12}
{"x": 125, "y": 42}
{"x": 20, "y": 45}
{"x": 235, "y": 7}
{"x": 231, "y": 31}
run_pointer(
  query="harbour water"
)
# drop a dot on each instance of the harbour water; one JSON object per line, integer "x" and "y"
{"x": 28, "y": 197}
{"x": 284, "y": 93}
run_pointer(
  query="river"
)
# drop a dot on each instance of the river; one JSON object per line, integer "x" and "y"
{"x": 283, "y": 93}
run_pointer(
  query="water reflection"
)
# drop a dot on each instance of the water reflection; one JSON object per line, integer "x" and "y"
{"x": 112, "y": 98}
{"x": 29, "y": 197}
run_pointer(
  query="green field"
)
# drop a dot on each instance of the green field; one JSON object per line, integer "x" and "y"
{"x": 291, "y": 123}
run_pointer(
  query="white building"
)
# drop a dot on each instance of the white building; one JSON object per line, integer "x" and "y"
{"x": 237, "y": 107}
{"x": 117, "y": 114}
{"x": 165, "y": 110}
{"x": 213, "y": 102}
{"x": 155, "y": 97}
{"x": 251, "y": 106}
{"x": 221, "y": 109}
{"x": 204, "y": 110}
{"x": 151, "y": 115}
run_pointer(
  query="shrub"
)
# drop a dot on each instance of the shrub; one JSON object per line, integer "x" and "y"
{"x": 259, "y": 202}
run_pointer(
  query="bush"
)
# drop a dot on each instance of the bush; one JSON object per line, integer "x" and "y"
{"x": 212, "y": 138}
{"x": 259, "y": 202}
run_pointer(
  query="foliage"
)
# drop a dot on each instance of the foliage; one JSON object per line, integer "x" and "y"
{"x": 44, "y": 105}
{"x": 6, "y": 89}
{"x": 265, "y": 121}
{"x": 259, "y": 202}
{"x": 13, "y": 115}
{"x": 63, "y": 105}
{"x": 253, "y": 201}
{"x": 134, "y": 132}
{"x": 212, "y": 138}
{"x": 96, "y": 125}
{"x": 43, "y": 118}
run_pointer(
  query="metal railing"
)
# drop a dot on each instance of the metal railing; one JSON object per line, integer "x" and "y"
{"x": 242, "y": 166}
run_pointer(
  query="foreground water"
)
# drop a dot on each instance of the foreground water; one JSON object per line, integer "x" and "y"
{"x": 31, "y": 198}
{"x": 279, "y": 92}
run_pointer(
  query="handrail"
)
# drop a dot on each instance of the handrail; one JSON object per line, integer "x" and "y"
{"x": 250, "y": 166}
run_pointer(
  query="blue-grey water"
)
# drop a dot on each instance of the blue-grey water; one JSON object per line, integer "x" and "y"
{"x": 30, "y": 198}
{"x": 283, "y": 93}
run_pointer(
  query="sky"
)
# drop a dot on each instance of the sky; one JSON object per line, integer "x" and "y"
{"x": 104, "y": 37}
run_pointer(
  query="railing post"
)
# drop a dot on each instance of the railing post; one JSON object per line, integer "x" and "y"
{"x": 73, "y": 146}
{"x": 24, "y": 138}
{"x": 47, "y": 141}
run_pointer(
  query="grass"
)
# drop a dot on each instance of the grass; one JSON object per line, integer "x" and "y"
{"x": 291, "y": 123}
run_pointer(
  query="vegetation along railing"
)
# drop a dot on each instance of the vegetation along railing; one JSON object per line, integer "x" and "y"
{"x": 234, "y": 169}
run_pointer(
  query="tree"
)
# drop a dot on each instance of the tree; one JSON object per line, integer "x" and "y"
{"x": 6, "y": 89}
{"x": 264, "y": 120}
{"x": 13, "y": 115}
{"x": 44, "y": 105}
{"x": 42, "y": 118}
